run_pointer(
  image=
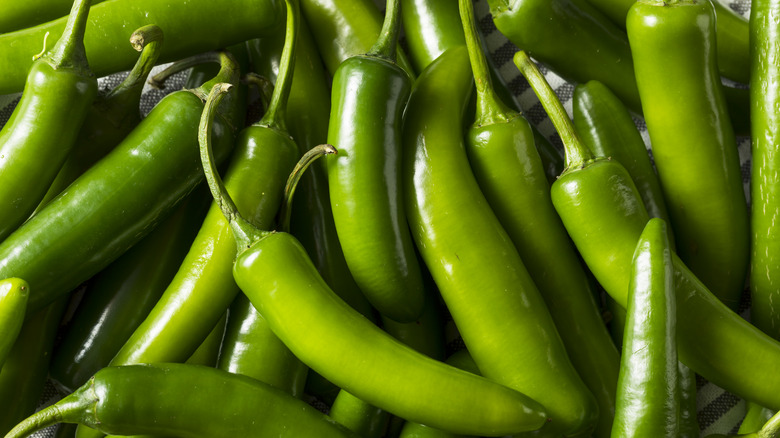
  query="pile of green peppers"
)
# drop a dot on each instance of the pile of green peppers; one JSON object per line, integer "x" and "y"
{"x": 288, "y": 245}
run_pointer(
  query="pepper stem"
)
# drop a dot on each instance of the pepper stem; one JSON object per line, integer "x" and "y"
{"x": 68, "y": 410}
{"x": 276, "y": 113}
{"x": 69, "y": 51}
{"x": 158, "y": 80}
{"x": 263, "y": 84}
{"x": 148, "y": 40}
{"x": 292, "y": 182}
{"x": 490, "y": 108}
{"x": 244, "y": 232}
{"x": 576, "y": 153}
{"x": 386, "y": 43}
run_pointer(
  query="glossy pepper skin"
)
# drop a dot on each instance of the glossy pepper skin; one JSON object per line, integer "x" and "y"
{"x": 114, "y": 204}
{"x": 580, "y": 43}
{"x": 732, "y": 35}
{"x": 493, "y": 301}
{"x": 119, "y": 297}
{"x": 648, "y": 394}
{"x": 191, "y": 27}
{"x": 500, "y": 148}
{"x": 765, "y": 198}
{"x": 14, "y": 293}
{"x": 572, "y": 37}
{"x": 160, "y": 400}
{"x": 693, "y": 142}
{"x": 20, "y": 15}
{"x": 345, "y": 28}
{"x": 112, "y": 115}
{"x": 277, "y": 275}
{"x": 58, "y": 93}
{"x": 203, "y": 288}
{"x": 710, "y": 335}
{"x": 367, "y": 103}
{"x": 431, "y": 27}
{"x": 307, "y": 118}
{"x": 607, "y": 129}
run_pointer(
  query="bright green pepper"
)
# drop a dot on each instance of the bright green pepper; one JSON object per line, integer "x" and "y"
{"x": 14, "y": 293}
{"x": 693, "y": 143}
{"x": 648, "y": 398}
{"x": 493, "y": 300}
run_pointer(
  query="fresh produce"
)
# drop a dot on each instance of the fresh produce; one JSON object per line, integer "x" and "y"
{"x": 485, "y": 244}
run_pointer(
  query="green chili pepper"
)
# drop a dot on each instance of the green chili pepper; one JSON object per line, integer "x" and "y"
{"x": 23, "y": 375}
{"x": 493, "y": 301}
{"x": 732, "y": 35}
{"x": 500, "y": 148}
{"x": 433, "y": 26}
{"x": 113, "y": 205}
{"x": 203, "y": 288}
{"x": 648, "y": 400}
{"x": 765, "y": 33}
{"x": 607, "y": 129}
{"x": 369, "y": 96}
{"x": 693, "y": 142}
{"x": 192, "y": 27}
{"x": 182, "y": 400}
{"x": 118, "y": 298}
{"x": 604, "y": 215}
{"x": 57, "y": 95}
{"x": 14, "y": 293}
{"x": 275, "y": 272}
{"x": 580, "y": 44}
{"x": 307, "y": 118}
{"x": 112, "y": 115}
{"x": 689, "y": 423}
{"x": 345, "y": 28}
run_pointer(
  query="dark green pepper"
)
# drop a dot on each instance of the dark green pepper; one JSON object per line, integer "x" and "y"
{"x": 116, "y": 202}
{"x": 57, "y": 96}
{"x": 183, "y": 400}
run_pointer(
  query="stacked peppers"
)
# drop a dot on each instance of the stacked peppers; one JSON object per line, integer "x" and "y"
{"x": 433, "y": 199}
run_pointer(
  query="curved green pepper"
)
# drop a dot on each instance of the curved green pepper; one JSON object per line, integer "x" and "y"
{"x": 112, "y": 115}
{"x": 57, "y": 96}
{"x": 732, "y": 35}
{"x": 369, "y": 96}
{"x": 500, "y": 148}
{"x": 712, "y": 340}
{"x": 160, "y": 399}
{"x": 116, "y": 202}
{"x": 692, "y": 139}
{"x": 607, "y": 129}
{"x": 493, "y": 300}
{"x": 275, "y": 272}
{"x": 431, "y": 27}
{"x": 648, "y": 400}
